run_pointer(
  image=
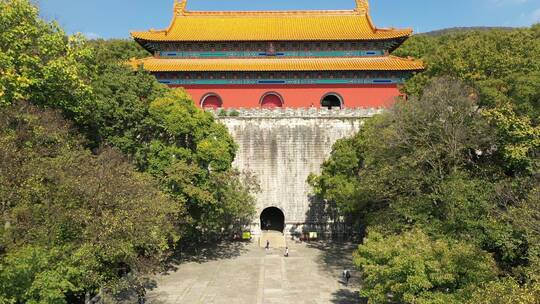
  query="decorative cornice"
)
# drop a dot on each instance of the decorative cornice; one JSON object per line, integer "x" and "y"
{"x": 286, "y": 113}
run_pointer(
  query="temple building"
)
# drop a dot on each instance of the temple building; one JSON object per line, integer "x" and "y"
{"x": 270, "y": 59}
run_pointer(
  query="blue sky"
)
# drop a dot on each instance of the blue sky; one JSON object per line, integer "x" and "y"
{"x": 116, "y": 18}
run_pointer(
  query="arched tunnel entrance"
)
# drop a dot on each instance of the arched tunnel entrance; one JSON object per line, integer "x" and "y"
{"x": 272, "y": 218}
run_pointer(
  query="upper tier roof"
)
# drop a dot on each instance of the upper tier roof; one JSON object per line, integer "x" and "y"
{"x": 271, "y": 26}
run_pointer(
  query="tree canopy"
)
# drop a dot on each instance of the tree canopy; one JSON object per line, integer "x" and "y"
{"x": 504, "y": 68}
{"x": 73, "y": 220}
{"x": 413, "y": 268}
{"x": 450, "y": 173}
{"x": 104, "y": 171}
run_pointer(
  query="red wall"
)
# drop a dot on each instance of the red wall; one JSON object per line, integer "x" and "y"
{"x": 298, "y": 96}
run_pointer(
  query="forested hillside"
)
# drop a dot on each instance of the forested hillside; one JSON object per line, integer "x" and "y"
{"x": 455, "y": 30}
{"x": 104, "y": 172}
{"x": 446, "y": 185}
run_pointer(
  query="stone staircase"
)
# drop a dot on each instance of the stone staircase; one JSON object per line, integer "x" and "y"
{"x": 276, "y": 239}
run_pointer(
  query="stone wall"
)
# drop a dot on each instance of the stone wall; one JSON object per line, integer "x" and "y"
{"x": 282, "y": 147}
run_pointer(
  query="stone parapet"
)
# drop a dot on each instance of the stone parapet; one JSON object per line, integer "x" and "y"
{"x": 307, "y": 113}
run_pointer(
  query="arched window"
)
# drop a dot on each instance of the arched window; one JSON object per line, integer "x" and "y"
{"x": 332, "y": 101}
{"x": 211, "y": 101}
{"x": 271, "y": 100}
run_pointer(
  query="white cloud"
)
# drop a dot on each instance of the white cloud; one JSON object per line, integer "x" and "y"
{"x": 91, "y": 35}
{"x": 535, "y": 16}
{"x": 504, "y": 2}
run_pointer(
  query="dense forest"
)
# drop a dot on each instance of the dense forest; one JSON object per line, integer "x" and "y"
{"x": 445, "y": 187}
{"x": 104, "y": 172}
{"x": 454, "y": 30}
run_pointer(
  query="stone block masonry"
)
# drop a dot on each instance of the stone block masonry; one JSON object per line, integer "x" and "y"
{"x": 281, "y": 148}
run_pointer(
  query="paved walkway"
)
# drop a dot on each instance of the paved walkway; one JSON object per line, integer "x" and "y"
{"x": 246, "y": 274}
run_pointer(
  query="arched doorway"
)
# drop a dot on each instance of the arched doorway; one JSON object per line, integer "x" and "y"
{"x": 271, "y": 100}
{"x": 211, "y": 101}
{"x": 272, "y": 218}
{"x": 332, "y": 100}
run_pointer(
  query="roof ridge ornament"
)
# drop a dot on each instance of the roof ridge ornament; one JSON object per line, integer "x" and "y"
{"x": 362, "y": 6}
{"x": 179, "y": 7}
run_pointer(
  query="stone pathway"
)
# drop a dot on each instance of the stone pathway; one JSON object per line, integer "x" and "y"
{"x": 311, "y": 274}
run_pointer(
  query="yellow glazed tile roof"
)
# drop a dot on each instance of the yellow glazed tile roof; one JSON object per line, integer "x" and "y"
{"x": 271, "y": 26}
{"x": 383, "y": 63}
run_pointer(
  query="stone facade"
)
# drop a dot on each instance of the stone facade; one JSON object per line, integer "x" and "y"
{"x": 281, "y": 148}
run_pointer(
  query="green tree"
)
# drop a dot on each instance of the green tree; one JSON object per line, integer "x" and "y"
{"x": 113, "y": 105}
{"x": 38, "y": 62}
{"x": 73, "y": 221}
{"x": 192, "y": 155}
{"x": 168, "y": 136}
{"x": 77, "y": 213}
{"x": 117, "y": 50}
{"x": 503, "y": 66}
{"x": 525, "y": 215}
{"x": 439, "y": 162}
{"x": 404, "y": 160}
{"x": 506, "y": 291}
{"x": 413, "y": 268}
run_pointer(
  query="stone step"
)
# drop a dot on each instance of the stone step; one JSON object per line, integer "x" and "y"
{"x": 276, "y": 239}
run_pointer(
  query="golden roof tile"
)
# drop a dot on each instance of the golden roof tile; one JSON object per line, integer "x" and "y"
{"x": 271, "y": 26}
{"x": 382, "y": 63}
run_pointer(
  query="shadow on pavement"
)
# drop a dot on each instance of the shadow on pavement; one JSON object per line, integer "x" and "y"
{"x": 345, "y": 296}
{"x": 335, "y": 254}
{"x": 128, "y": 292}
{"x": 205, "y": 253}
{"x": 335, "y": 257}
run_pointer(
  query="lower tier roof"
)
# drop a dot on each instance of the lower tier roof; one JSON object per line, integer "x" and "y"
{"x": 382, "y": 63}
